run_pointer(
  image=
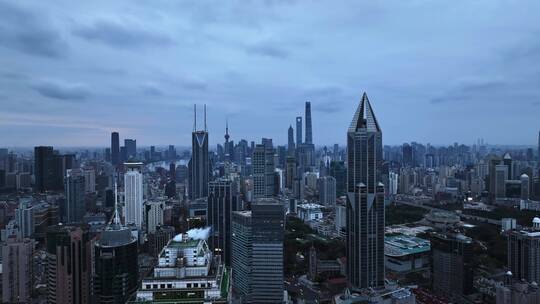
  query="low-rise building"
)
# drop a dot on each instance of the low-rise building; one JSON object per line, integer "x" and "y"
{"x": 405, "y": 254}
{"x": 309, "y": 212}
{"x": 187, "y": 272}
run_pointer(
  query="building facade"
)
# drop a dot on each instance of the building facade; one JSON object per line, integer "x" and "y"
{"x": 133, "y": 194}
{"x": 223, "y": 200}
{"x": 365, "y": 200}
{"x": 257, "y": 253}
{"x": 69, "y": 264}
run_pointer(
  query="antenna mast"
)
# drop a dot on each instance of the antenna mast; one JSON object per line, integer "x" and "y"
{"x": 205, "y": 117}
{"x": 194, "y": 117}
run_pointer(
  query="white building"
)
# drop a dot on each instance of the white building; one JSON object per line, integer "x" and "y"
{"x": 393, "y": 183}
{"x": 508, "y": 224}
{"x": 309, "y": 212}
{"x": 133, "y": 193}
{"x": 341, "y": 220}
{"x": 186, "y": 266}
{"x": 154, "y": 215}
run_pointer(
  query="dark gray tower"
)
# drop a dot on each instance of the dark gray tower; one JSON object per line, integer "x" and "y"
{"x": 73, "y": 209}
{"x": 365, "y": 200}
{"x": 199, "y": 165}
{"x": 290, "y": 143}
{"x": 298, "y": 131}
{"x": 257, "y": 252}
{"x": 115, "y": 148}
{"x": 223, "y": 199}
{"x": 309, "y": 135}
{"x": 263, "y": 170}
{"x": 538, "y": 146}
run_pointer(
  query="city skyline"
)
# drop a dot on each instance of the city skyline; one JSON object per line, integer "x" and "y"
{"x": 69, "y": 77}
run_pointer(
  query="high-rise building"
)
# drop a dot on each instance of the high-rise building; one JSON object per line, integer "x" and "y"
{"x": 223, "y": 199}
{"x": 69, "y": 264}
{"x": 452, "y": 265}
{"x": 501, "y": 175}
{"x": 339, "y": 172}
{"x": 309, "y": 130}
{"x": 290, "y": 172}
{"x": 116, "y": 270}
{"x": 257, "y": 252}
{"x": 525, "y": 186}
{"x": 263, "y": 170}
{"x": 73, "y": 209}
{"x": 154, "y": 215}
{"x": 199, "y": 165}
{"x": 24, "y": 217}
{"x": 538, "y": 147}
{"x": 43, "y": 169}
{"x": 494, "y": 161}
{"x": 133, "y": 193}
{"x": 408, "y": 155}
{"x": 290, "y": 141}
{"x": 365, "y": 200}
{"x": 327, "y": 190}
{"x": 89, "y": 180}
{"x": 507, "y": 161}
{"x": 298, "y": 131}
{"x": 524, "y": 252}
{"x": 17, "y": 271}
{"x": 131, "y": 148}
{"x": 115, "y": 148}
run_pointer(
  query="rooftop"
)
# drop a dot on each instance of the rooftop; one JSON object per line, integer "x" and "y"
{"x": 310, "y": 206}
{"x": 402, "y": 245}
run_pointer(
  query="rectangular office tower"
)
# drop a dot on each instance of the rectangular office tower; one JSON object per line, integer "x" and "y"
{"x": 133, "y": 193}
{"x": 263, "y": 170}
{"x": 524, "y": 252}
{"x": 223, "y": 199}
{"x": 257, "y": 253}
{"x": 365, "y": 200}
{"x": 199, "y": 165}
{"x": 115, "y": 148}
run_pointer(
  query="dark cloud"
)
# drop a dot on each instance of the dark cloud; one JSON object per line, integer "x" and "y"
{"x": 471, "y": 90}
{"x": 119, "y": 35}
{"x": 62, "y": 90}
{"x": 25, "y": 31}
{"x": 268, "y": 49}
{"x": 327, "y": 99}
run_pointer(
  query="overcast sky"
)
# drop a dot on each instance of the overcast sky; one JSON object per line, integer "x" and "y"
{"x": 435, "y": 71}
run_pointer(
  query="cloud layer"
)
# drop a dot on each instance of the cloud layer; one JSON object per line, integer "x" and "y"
{"x": 435, "y": 72}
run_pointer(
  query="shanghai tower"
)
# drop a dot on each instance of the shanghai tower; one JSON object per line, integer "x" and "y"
{"x": 365, "y": 200}
{"x": 309, "y": 135}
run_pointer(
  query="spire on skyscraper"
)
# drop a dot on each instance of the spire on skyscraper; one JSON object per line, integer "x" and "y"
{"x": 115, "y": 222}
{"x": 227, "y": 130}
{"x": 364, "y": 118}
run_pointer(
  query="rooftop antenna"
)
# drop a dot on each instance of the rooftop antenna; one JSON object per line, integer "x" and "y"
{"x": 204, "y": 117}
{"x": 194, "y": 117}
{"x": 115, "y": 221}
